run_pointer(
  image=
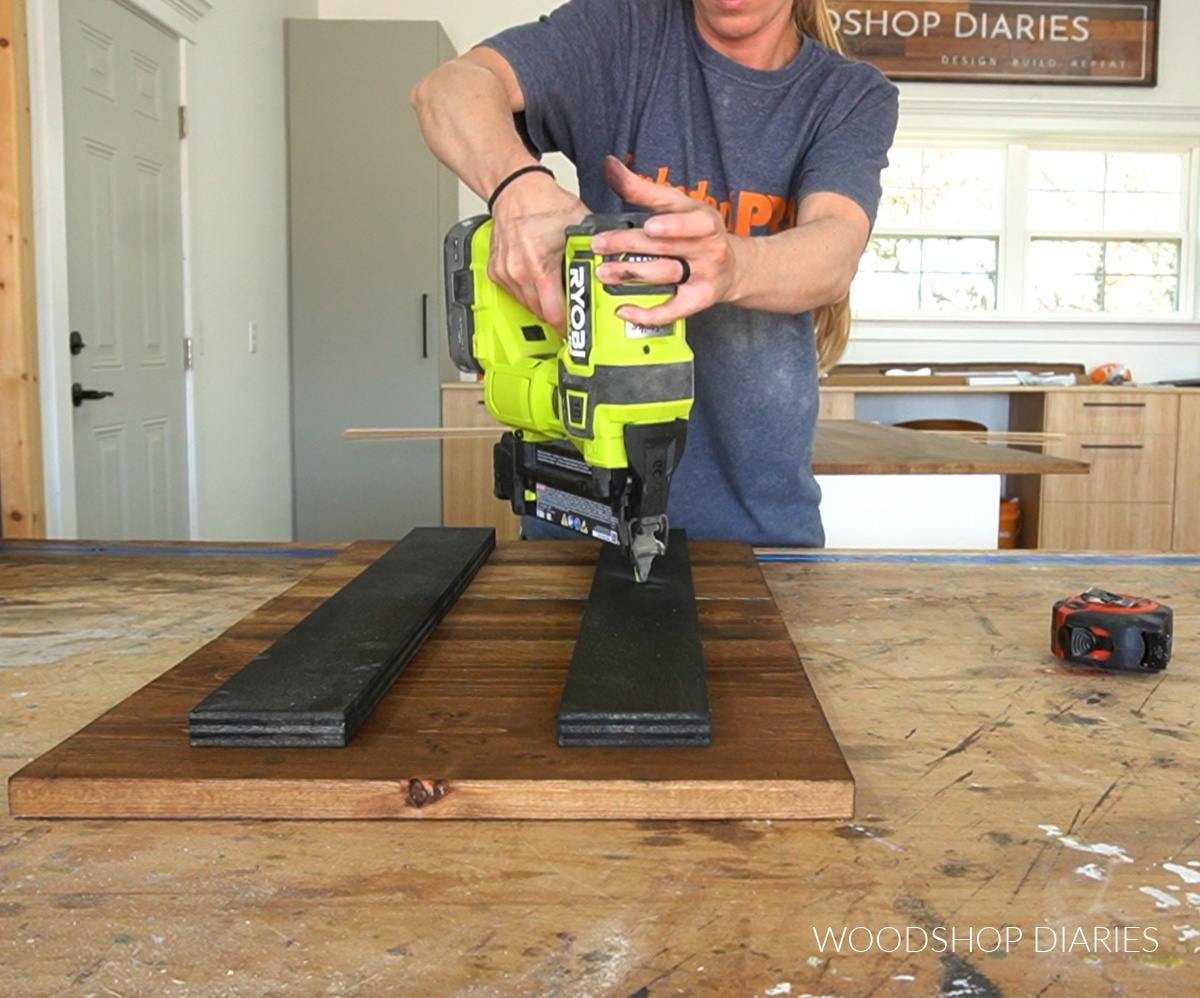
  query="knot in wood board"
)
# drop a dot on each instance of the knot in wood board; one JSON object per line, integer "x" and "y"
{"x": 422, "y": 792}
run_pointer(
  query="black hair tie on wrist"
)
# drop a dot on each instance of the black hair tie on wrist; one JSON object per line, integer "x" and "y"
{"x": 532, "y": 168}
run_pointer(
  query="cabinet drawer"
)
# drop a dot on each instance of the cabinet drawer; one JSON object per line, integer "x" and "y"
{"x": 1105, "y": 526}
{"x": 1123, "y": 469}
{"x": 1112, "y": 411}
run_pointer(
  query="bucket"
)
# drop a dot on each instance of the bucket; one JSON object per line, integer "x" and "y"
{"x": 1010, "y": 522}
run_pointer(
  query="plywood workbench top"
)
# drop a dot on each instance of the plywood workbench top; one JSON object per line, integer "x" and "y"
{"x": 996, "y": 790}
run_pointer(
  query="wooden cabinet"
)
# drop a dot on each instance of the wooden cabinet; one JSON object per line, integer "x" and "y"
{"x": 1126, "y": 503}
{"x": 1143, "y": 445}
{"x": 835, "y": 404}
{"x": 1187, "y": 477}
{"x": 1106, "y": 526}
{"x": 467, "y": 499}
{"x": 1121, "y": 411}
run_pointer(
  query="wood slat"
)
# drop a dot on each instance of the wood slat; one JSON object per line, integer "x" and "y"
{"x": 637, "y": 671}
{"x": 322, "y": 678}
{"x": 469, "y": 729}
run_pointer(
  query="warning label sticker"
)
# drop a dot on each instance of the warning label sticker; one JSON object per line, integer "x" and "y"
{"x": 585, "y": 516}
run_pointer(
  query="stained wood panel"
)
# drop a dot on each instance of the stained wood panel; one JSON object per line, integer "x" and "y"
{"x": 468, "y": 731}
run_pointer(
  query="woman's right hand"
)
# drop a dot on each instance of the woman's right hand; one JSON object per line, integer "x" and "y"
{"x": 529, "y": 237}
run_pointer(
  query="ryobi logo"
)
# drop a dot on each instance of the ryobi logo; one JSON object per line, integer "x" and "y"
{"x": 579, "y": 310}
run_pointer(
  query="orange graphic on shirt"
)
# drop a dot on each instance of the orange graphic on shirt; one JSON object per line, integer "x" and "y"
{"x": 744, "y": 212}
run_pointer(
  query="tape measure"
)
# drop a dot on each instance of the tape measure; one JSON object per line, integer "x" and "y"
{"x": 1112, "y": 631}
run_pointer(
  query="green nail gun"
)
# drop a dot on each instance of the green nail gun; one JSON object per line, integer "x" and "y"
{"x": 599, "y": 419}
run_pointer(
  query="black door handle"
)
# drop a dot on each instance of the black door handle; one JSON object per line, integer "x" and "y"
{"x": 79, "y": 394}
{"x": 77, "y": 344}
{"x": 424, "y": 326}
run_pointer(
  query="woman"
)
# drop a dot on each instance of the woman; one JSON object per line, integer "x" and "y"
{"x": 759, "y": 146}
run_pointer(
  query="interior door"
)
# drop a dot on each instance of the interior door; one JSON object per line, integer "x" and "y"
{"x": 125, "y": 271}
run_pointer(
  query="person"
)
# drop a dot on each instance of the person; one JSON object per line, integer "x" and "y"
{"x": 759, "y": 148}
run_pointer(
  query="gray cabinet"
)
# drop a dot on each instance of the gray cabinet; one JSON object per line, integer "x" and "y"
{"x": 368, "y": 206}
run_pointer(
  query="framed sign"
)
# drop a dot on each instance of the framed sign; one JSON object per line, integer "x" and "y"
{"x": 1104, "y": 42}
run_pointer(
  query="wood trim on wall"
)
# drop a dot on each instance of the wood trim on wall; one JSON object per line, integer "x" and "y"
{"x": 22, "y": 498}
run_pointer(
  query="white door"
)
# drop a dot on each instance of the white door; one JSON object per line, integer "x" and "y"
{"x": 125, "y": 271}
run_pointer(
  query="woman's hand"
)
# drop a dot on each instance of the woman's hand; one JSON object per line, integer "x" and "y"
{"x": 685, "y": 229}
{"x": 529, "y": 236}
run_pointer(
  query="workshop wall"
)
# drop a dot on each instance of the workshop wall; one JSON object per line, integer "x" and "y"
{"x": 238, "y": 213}
{"x": 468, "y": 22}
{"x": 1154, "y": 350}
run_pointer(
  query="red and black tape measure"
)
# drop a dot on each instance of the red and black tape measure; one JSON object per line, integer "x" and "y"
{"x": 1112, "y": 631}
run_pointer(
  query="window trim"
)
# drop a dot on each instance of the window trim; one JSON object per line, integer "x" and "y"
{"x": 1013, "y": 290}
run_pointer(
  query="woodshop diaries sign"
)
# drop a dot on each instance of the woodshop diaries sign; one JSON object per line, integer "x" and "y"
{"x": 1021, "y": 41}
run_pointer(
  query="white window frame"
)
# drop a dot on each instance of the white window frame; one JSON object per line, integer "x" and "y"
{"x": 1013, "y": 298}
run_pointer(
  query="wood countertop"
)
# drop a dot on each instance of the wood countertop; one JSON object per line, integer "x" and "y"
{"x": 996, "y": 789}
{"x": 852, "y": 447}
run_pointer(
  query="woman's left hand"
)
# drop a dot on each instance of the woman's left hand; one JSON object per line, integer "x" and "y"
{"x": 682, "y": 228}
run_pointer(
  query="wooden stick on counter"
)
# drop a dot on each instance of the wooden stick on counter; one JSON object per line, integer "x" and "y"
{"x": 424, "y": 433}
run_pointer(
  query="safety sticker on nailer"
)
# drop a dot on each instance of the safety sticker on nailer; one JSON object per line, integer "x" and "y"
{"x": 584, "y": 516}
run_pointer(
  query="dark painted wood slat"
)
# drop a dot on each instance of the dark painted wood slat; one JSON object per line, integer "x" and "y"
{"x": 637, "y": 673}
{"x": 318, "y": 682}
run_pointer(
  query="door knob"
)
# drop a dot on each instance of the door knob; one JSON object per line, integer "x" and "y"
{"x": 79, "y": 394}
{"x": 77, "y": 344}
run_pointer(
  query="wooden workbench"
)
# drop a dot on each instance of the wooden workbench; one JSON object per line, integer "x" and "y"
{"x": 995, "y": 790}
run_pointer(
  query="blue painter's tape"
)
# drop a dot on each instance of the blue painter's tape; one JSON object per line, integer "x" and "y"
{"x": 51, "y": 548}
{"x": 979, "y": 559}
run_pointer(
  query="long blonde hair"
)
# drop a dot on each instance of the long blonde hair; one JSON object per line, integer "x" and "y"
{"x": 832, "y": 322}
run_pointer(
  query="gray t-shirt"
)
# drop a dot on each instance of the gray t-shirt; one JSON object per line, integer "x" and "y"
{"x": 634, "y": 79}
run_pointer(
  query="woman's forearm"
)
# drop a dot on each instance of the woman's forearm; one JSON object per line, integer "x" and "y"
{"x": 465, "y": 111}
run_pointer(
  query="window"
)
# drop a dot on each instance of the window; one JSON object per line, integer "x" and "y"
{"x": 1077, "y": 202}
{"x": 938, "y": 233}
{"x": 1014, "y": 228}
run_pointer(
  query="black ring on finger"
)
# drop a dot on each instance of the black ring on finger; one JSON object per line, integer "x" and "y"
{"x": 687, "y": 269}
